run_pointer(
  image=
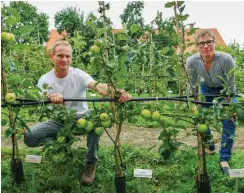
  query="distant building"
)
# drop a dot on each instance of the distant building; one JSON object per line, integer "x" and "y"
{"x": 55, "y": 36}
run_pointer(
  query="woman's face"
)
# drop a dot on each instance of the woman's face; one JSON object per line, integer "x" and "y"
{"x": 206, "y": 46}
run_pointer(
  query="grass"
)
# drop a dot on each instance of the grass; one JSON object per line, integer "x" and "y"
{"x": 168, "y": 177}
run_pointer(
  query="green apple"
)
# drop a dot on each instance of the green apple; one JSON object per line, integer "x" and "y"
{"x": 5, "y": 36}
{"x": 106, "y": 124}
{"x": 156, "y": 116}
{"x": 99, "y": 131}
{"x": 104, "y": 117}
{"x": 10, "y": 97}
{"x": 95, "y": 50}
{"x": 202, "y": 128}
{"x": 61, "y": 139}
{"x": 146, "y": 114}
{"x": 11, "y": 37}
{"x": 176, "y": 154}
{"x": 81, "y": 123}
{"x": 59, "y": 157}
{"x": 89, "y": 126}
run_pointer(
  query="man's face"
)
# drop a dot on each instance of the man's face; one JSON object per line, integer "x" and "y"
{"x": 206, "y": 46}
{"x": 62, "y": 57}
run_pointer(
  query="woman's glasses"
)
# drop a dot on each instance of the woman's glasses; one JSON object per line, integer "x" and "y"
{"x": 202, "y": 44}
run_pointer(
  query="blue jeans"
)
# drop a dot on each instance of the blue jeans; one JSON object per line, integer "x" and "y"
{"x": 48, "y": 130}
{"x": 229, "y": 128}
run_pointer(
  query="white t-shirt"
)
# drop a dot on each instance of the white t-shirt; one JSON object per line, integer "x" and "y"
{"x": 74, "y": 85}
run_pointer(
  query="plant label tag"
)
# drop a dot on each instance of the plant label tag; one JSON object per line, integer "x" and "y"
{"x": 236, "y": 173}
{"x": 142, "y": 173}
{"x": 33, "y": 159}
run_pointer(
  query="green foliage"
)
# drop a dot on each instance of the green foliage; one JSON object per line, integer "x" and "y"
{"x": 23, "y": 20}
{"x": 69, "y": 19}
{"x": 150, "y": 65}
{"x": 132, "y": 14}
{"x": 173, "y": 176}
{"x": 22, "y": 69}
{"x": 238, "y": 54}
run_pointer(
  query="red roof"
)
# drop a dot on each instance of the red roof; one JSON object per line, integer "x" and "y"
{"x": 53, "y": 37}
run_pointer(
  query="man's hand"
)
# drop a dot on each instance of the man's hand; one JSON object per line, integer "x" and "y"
{"x": 124, "y": 96}
{"x": 56, "y": 98}
{"x": 227, "y": 99}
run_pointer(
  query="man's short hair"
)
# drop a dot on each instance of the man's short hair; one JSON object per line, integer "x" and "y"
{"x": 57, "y": 43}
{"x": 204, "y": 33}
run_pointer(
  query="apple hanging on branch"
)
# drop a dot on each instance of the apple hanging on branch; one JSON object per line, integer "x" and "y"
{"x": 10, "y": 98}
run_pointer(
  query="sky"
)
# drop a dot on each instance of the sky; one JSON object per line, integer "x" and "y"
{"x": 226, "y": 16}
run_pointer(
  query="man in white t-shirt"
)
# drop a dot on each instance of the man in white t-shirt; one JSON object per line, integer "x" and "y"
{"x": 69, "y": 82}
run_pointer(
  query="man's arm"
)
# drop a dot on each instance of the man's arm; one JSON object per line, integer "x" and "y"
{"x": 100, "y": 88}
{"x": 103, "y": 89}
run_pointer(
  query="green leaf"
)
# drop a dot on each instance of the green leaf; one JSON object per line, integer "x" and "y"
{"x": 183, "y": 17}
{"x": 134, "y": 28}
{"x": 169, "y": 4}
{"x": 179, "y": 3}
{"x": 91, "y": 25}
{"x": 164, "y": 50}
{"x": 170, "y": 104}
{"x": 241, "y": 95}
{"x": 9, "y": 132}
{"x": 124, "y": 26}
{"x": 19, "y": 137}
{"x": 132, "y": 120}
{"x": 26, "y": 29}
{"x": 21, "y": 47}
{"x": 11, "y": 21}
{"x": 4, "y": 122}
{"x": 180, "y": 126}
{"x": 14, "y": 12}
{"x": 173, "y": 57}
{"x": 182, "y": 8}
{"x": 221, "y": 78}
{"x": 231, "y": 73}
{"x": 122, "y": 37}
{"x": 45, "y": 86}
{"x": 101, "y": 31}
{"x": 93, "y": 17}
{"x": 15, "y": 78}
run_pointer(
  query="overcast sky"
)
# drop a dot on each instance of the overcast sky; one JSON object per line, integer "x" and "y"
{"x": 226, "y": 16}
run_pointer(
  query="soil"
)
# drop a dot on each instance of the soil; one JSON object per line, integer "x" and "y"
{"x": 143, "y": 137}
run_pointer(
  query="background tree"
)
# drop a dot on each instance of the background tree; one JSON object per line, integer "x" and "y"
{"x": 70, "y": 19}
{"x": 132, "y": 14}
{"x": 31, "y": 26}
{"x": 165, "y": 40}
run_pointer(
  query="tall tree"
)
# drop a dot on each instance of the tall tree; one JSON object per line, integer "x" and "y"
{"x": 133, "y": 15}
{"x": 166, "y": 35}
{"x": 32, "y": 26}
{"x": 70, "y": 19}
